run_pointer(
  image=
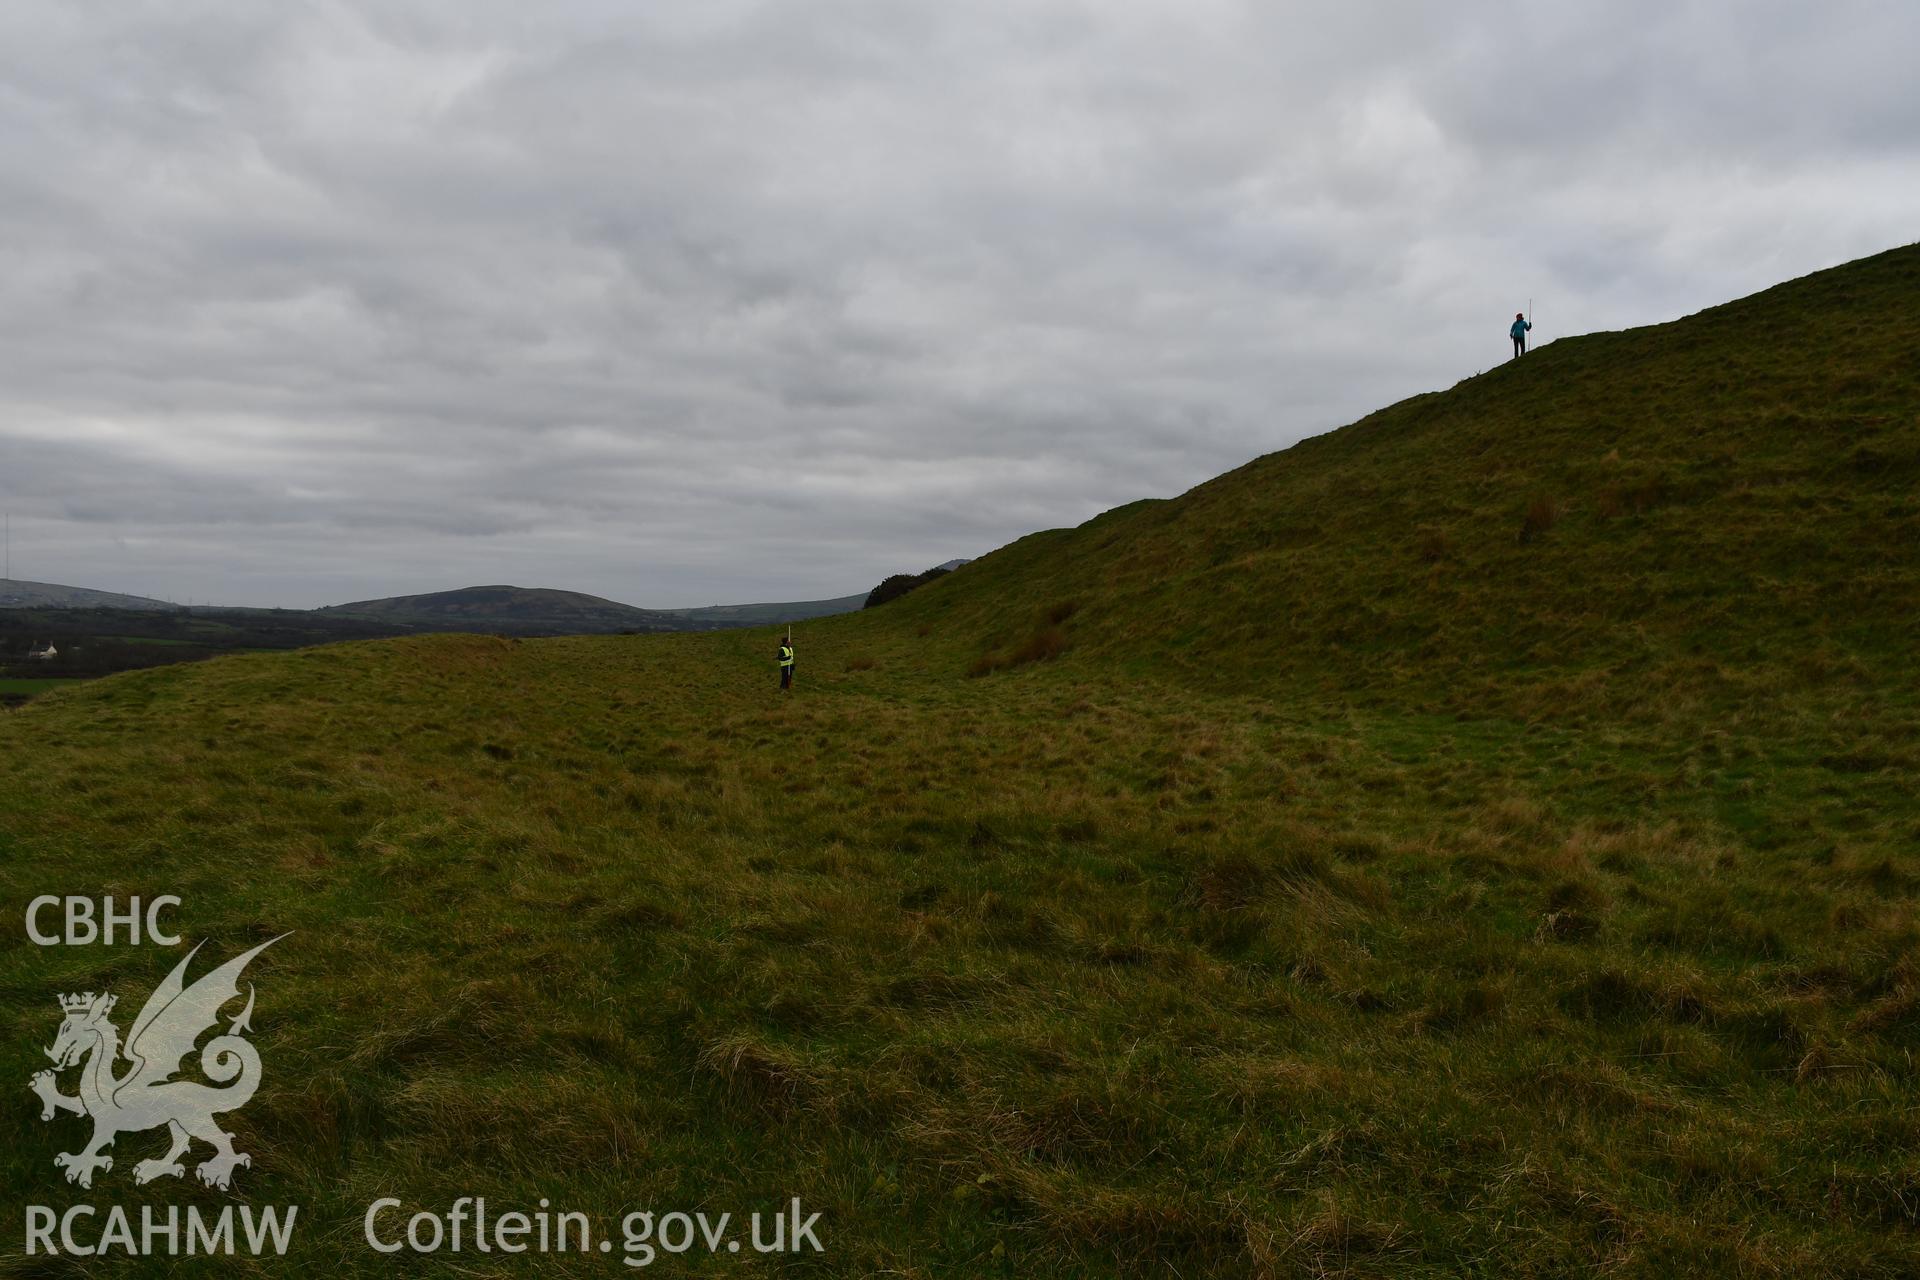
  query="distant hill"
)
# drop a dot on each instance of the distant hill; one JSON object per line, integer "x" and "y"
{"x": 15, "y": 594}
{"x": 536, "y": 611}
{"x": 715, "y": 617}
{"x": 524, "y": 610}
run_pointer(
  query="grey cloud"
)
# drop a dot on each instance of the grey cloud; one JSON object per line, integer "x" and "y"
{"x": 684, "y": 303}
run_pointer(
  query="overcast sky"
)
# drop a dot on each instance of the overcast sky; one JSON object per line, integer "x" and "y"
{"x": 716, "y": 301}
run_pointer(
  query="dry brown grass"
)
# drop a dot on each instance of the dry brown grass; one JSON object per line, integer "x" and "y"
{"x": 1541, "y": 515}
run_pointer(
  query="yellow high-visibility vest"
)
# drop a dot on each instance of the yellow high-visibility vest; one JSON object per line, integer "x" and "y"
{"x": 786, "y": 655}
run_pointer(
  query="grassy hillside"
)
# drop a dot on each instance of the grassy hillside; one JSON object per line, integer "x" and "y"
{"x": 1616, "y": 521}
{"x": 1330, "y": 872}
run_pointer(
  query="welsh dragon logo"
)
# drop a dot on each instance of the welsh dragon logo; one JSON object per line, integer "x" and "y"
{"x": 147, "y": 1096}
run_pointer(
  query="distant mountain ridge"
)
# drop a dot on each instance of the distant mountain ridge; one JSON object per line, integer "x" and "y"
{"x": 17, "y": 594}
{"x": 500, "y": 607}
{"x": 537, "y": 610}
{"x": 497, "y": 608}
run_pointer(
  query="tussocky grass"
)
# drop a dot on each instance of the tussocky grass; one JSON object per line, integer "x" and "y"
{"x": 1480, "y": 841}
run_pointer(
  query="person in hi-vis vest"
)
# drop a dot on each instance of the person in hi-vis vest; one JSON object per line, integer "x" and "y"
{"x": 786, "y": 664}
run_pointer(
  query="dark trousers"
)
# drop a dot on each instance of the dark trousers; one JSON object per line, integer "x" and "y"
{"x": 1519, "y": 346}
{"x": 786, "y": 677}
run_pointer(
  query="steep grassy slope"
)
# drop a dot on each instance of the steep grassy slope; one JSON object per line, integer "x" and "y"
{"x": 1613, "y": 522}
{"x": 1321, "y": 880}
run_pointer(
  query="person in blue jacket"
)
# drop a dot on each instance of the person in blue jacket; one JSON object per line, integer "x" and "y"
{"x": 1519, "y": 332}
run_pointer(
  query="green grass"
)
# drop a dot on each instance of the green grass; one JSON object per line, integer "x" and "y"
{"x": 1315, "y": 876}
{"x": 28, "y": 687}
